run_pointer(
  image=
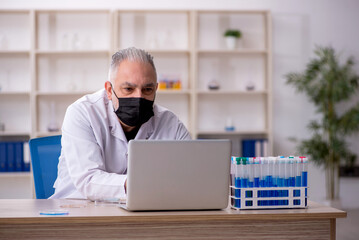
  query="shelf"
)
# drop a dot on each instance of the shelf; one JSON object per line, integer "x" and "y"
{"x": 14, "y": 133}
{"x": 15, "y": 52}
{"x": 230, "y": 92}
{"x": 45, "y": 134}
{"x": 219, "y": 132}
{"x": 61, "y": 52}
{"x": 15, "y": 175}
{"x": 168, "y": 51}
{"x": 174, "y": 92}
{"x": 235, "y": 51}
{"x": 68, "y": 93}
{"x": 10, "y": 93}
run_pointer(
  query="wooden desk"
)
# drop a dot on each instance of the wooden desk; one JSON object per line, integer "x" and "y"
{"x": 20, "y": 219}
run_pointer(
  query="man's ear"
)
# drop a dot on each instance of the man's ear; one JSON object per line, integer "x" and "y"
{"x": 108, "y": 88}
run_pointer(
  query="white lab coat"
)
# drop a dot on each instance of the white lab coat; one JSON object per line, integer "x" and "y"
{"x": 93, "y": 161}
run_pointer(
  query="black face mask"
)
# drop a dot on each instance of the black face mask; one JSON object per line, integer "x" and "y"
{"x": 134, "y": 111}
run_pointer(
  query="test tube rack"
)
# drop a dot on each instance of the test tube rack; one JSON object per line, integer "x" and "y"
{"x": 268, "y": 197}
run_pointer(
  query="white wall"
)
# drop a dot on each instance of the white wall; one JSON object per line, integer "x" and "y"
{"x": 297, "y": 27}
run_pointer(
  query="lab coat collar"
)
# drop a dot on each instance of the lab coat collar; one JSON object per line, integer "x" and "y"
{"x": 144, "y": 132}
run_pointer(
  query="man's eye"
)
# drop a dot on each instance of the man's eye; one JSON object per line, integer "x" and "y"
{"x": 148, "y": 90}
{"x": 128, "y": 89}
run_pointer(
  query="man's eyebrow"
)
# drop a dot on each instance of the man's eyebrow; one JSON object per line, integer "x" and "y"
{"x": 128, "y": 84}
{"x": 149, "y": 85}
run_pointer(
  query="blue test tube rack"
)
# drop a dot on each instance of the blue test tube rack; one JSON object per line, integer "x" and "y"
{"x": 272, "y": 192}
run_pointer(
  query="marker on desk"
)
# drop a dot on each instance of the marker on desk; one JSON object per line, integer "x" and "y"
{"x": 54, "y": 212}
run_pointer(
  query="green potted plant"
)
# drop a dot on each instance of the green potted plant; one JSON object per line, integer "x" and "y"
{"x": 327, "y": 83}
{"x": 232, "y": 36}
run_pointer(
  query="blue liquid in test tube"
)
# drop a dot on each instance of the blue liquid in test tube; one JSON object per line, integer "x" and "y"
{"x": 262, "y": 182}
{"x": 281, "y": 167}
{"x": 298, "y": 170}
{"x": 304, "y": 172}
{"x": 292, "y": 172}
{"x": 244, "y": 179}
{"x": 287, "y": 172}
{"x": 268, "y": 172}
{"x": 238, "y": 173}
{"x": 264, "y": 171}
{"x": 256, "y": 171}
{"x": 233, "y": 170}
{"x": 250, "y": 172}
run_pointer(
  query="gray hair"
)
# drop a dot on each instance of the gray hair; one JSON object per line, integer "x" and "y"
{"x": 131, "y": 54}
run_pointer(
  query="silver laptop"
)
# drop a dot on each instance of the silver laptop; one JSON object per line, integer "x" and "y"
{"x": 178, "y": 175}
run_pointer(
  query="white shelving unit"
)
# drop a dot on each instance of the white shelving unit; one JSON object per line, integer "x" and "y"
{"x": 244, "y": 76}
{"x": 15, "y": 92}
{"x": 65, "y": 54}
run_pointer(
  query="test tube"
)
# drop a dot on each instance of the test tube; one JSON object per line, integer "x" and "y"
{"x": 266, "y": 171}
{"x": 250, "y": 172}
{"x": 256, "y": 171}
{"x": 276, "y": 171}
{"x": 244, "y": 179}
{"x": 233, "y": 170}
{"x": 238, "y": 173}
{"x": 304, "y": 171}
{"x": 298, "y": 172}
{"x": 281, "y": 168}
{"x": 271, "y": 171}
{"x": 287, "y": 172}
{"x": 292, "y": 172}
{"x": 262, "y": 181}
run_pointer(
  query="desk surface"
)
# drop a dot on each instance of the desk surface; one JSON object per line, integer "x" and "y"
{"x": 13, "y": 211}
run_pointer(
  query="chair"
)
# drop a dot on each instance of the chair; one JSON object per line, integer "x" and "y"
{"x": 45, "y": 152}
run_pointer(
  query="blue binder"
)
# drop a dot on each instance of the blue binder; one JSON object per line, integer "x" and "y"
{"x": 19, "y": 156}
{"x": 10, "y": 157}
{"x": 248, "y": 148}
{"x": 3, "y": 157}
